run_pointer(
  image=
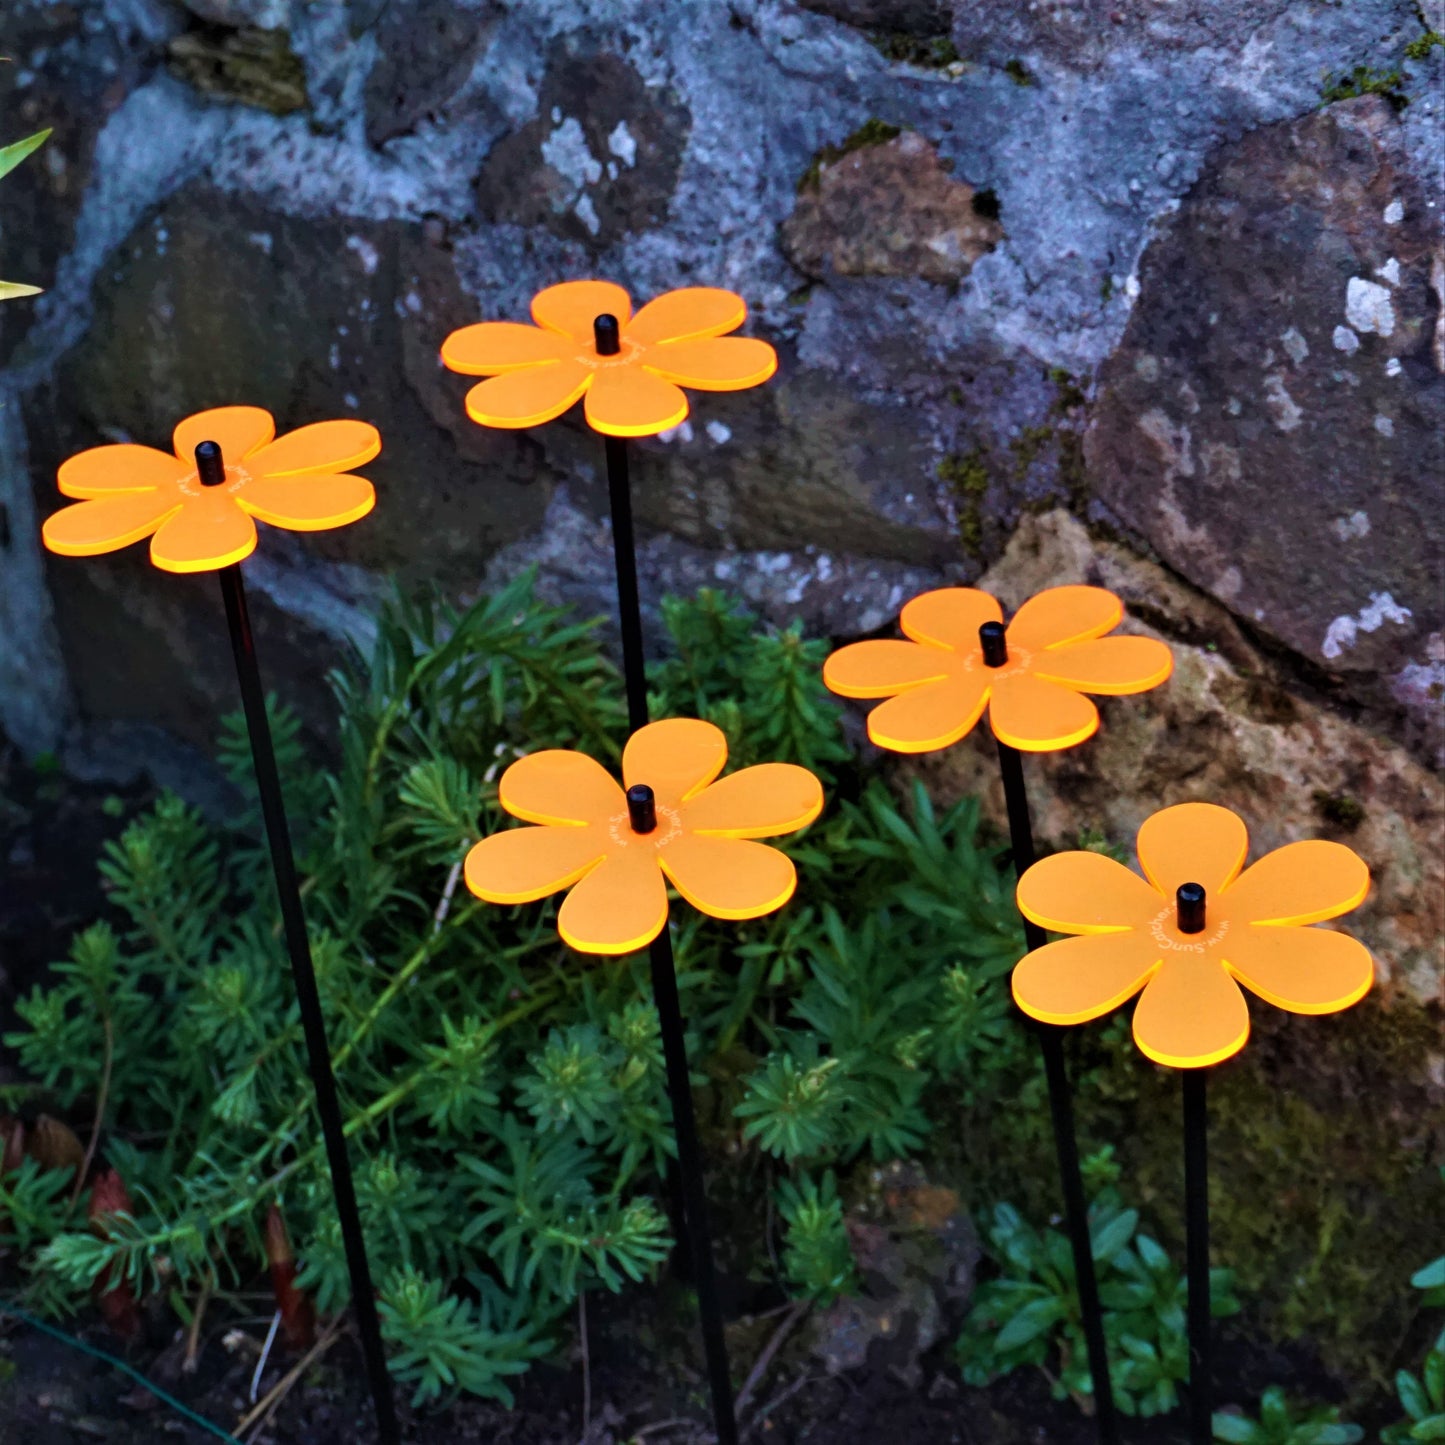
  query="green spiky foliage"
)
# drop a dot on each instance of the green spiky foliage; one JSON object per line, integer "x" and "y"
{"x": 504, "y": 1098}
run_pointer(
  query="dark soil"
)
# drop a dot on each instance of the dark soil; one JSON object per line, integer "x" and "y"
{"x": 645, "y": 1381}
{"x": 52, "y": 830}
{"x": 56, "y": 1396}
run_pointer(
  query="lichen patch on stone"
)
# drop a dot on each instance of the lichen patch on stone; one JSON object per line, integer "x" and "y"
{"x": 1344, "y": 632}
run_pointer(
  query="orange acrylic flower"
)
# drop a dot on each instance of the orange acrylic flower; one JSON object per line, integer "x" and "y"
{"x": 594, "y": 839}
{"x": 1191, "y": 934}
{"x": 299, "y": 481}
{"x": 939, "y": 683}
{"x": 679, "y": 339}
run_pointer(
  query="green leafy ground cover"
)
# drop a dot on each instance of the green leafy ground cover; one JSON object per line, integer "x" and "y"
{"x": 505, "y": 1098}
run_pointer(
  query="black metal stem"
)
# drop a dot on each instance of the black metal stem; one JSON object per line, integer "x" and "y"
{"x": 689, "y": 1159}
{"x": 1061, "y": 1107}
{"x": 629, "y": 606}
{"x": 1196, "y": 1205}
{"x": 685, "y": 1185}
{"x": 268, "y": 783}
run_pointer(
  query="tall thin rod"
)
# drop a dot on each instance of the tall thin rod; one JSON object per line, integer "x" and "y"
{"x": 688, "y": 1180}
{"x": 1196, "y": 1206}
{"x": 1061, "y": 1107}
{"x": 629, "y": 606}
{"x": 298, "y": 946}
{"x": 689, "y": 1160}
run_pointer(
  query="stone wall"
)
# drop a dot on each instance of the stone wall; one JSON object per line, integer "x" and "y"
{"x": 1174, "y": 266}
{"x": 1145, "y": 293}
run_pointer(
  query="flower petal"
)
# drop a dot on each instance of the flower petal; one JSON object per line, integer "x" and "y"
{"x": 686, "y": 314}
{"x": 1304, "y": 970}
{"x": 1192, "y": 1013}
{"x": 883, "y": 666}
{"x": 756, "y": 802}
{"x": 521, "y": 865}
{"x": 1060, "y": 615}
{"x": 1085, "y": 892}
{"x": 14, "y": 290}
{"x": 237, "y": 430}
{"x": 1039, "y": 717}
{"x": 677, "y": 758}
{"x": 1192, "y": 843}
{"x": 90, "y": 528}
{"x": 932, "y": 716}
{"x": 724, "y": 363}
{"x": 104, "y": 471}
{"x": 559, "y": 786}
{"x": 491, "y": 347}
{"x": 950, "y": 617}
{"x": 528, "y": 398}
{"x": 1078, "y": 979}
{"x": 1112, "y": 666}
{"x": 729, "y": 878}
{"x": 209, "y": 532}
{"x": 308, "y": 504}
{"x": 324, "y": 447}
{"x": 618, "y": 907}
{"x": 1299, "y": 883}
{"x": 629, "y": 401}
{"x": 572, "y": 307}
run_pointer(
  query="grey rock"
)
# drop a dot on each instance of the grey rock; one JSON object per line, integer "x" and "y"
{"x": 907, "y": 17}
{"x": 1273, "y": 422}
{"x": 916, "y": 1250}
{"x": 600, "y": 159}
{"x": 916, "y": 416}
{"x": 424, "y": 54}
{"x": 264, "y": 14}
{"x": 833, "y": 593}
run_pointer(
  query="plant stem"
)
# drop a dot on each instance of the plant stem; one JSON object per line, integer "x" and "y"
{"x": 102, "y": 1096}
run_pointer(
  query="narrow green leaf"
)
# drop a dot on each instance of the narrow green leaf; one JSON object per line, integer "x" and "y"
{"x": 1029, "y": 1323}
{"x": 16, "y": 151}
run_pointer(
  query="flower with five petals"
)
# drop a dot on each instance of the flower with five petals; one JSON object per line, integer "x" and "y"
{"x": 1248, "y": 928}
{"x": 589, "y": 840}
{"x": 299, "y": 481}
{"x": 678, "y": 339}
{"x": 939, "y": 682}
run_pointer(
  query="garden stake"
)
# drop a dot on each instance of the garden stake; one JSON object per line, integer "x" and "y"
{"x": 1196, "y": 1202}
{"x": 298, "y": 947}
{"x": 588, "y": 344}
{"x": 1031, "y": 677}
{"x": 614, "y": 853}
{"x": 1061, "y": 1103}
{"x": 642, "y": 808}
{"x": 1185, "y": 946}
{"x": 634, "y": 676}
{"x": 696, "y": 1231}
{"x": 199, "y": 513}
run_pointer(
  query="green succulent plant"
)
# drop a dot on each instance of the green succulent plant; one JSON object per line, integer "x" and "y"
{"x": 1279, "y": 1424}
